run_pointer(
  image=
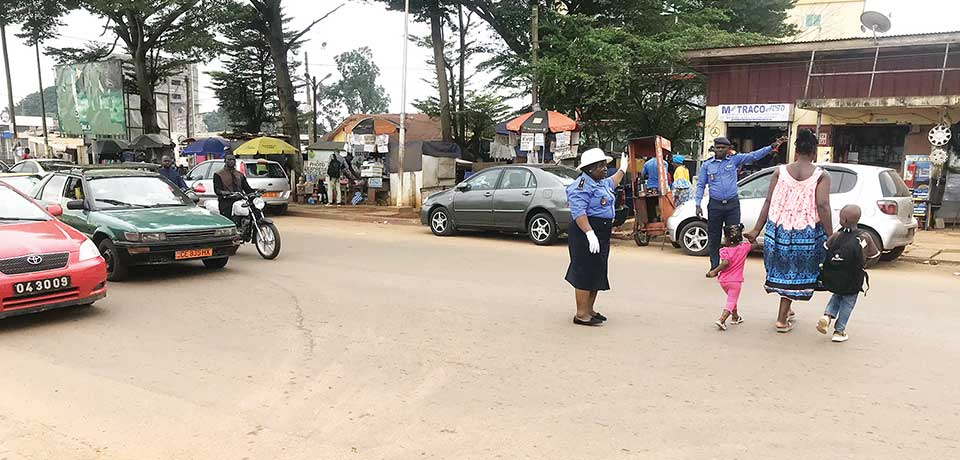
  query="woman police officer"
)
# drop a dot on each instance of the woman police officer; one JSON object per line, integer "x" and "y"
{"x": 591, "y": 199}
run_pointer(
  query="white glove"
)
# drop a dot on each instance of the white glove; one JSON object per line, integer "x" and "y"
{"x": 594, "y": 242}
{"x": 624, "y": 159}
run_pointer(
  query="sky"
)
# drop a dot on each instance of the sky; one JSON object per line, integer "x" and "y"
{"x": 367, "y": 23}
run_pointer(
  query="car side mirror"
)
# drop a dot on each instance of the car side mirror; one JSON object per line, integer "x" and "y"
{"x": 75, "y": 205}
{"x": 193, "y": 196}
{"x": 463, "y": 187}
{"x": 55, "y": 210}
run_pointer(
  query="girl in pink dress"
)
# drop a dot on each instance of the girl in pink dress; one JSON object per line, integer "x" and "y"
{"x": 733, "y": 258}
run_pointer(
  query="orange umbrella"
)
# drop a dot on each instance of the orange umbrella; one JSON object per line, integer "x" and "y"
{"x": 542, "y": 121}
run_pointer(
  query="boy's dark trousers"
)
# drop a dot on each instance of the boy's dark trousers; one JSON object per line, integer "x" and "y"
{"x": 720, "y": 213}
{"x": 322, "y": 189}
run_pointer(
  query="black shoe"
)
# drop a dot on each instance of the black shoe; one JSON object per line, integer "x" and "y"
{"x": 593, "y": 321}
{"x": 599, "y": 316}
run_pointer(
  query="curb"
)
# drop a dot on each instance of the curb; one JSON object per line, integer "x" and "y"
{"x": 360, "y": 218}
{"x": 931, "y": 261}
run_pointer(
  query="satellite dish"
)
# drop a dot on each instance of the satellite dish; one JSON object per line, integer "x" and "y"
{"x": 877, "y": 22}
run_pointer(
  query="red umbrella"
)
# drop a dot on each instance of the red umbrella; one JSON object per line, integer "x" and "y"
{"x": 542, "y": 121}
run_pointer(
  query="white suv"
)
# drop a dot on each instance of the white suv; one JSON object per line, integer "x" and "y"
{"x": 267, "y": 176}
{"x": 880, "y": 192}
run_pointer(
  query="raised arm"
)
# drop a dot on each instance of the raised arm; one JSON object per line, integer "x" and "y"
{"x": 765, "y": 210}
{"x": 618, "y": 176}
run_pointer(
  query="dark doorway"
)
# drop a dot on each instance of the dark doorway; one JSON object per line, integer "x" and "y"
{"x": 875, "y": 145}
{"x": 749, "y": 137}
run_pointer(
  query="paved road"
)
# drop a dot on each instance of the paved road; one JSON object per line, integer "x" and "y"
{"x": 370, "y": 341}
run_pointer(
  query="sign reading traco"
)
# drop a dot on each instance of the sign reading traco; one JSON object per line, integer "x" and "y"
{"x": 755, "y": 112}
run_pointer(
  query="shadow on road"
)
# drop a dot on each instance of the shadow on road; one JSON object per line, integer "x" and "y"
{"x": 49, "y": 318}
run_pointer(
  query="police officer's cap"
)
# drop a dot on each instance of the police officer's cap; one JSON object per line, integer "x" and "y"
{"x": 722, "y": 141}
{"x": 593, "y": 156}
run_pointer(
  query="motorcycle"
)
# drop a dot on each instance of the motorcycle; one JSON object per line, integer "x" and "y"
{"x": 253, "y": 226}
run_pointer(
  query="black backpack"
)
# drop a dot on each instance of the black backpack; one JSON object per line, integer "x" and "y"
{"x": 333, "y": 169}
{"x": 842, "y": 269}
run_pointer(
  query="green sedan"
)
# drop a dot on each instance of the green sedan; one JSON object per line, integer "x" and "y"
{"x": 138, "y": 217}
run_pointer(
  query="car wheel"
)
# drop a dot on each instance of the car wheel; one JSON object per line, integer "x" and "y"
{"x": 694, "y": 239}
{"x": 892, "y": 255}
{"x": 440, "y": 222}
{"x": 117, "y": 269}
{"x": 216, "y": 263}
{"x": 876, "y": 241}
{"x": 543, "y": 229}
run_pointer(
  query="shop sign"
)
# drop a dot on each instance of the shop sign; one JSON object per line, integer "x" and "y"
{"x": 755, "y": 112}
{"x": 375, "y": 182}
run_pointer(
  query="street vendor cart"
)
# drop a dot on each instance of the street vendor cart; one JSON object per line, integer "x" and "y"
{"x": 652, "y": 207}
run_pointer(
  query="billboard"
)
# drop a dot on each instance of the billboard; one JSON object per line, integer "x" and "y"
{"x": 90, "y": 99}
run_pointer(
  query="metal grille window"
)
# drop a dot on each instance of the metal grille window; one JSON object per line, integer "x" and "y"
{"x": 33, "y": 263}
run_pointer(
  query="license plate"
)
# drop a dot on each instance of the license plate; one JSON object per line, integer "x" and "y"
{"x": 271, "y": 194}
{"x": 193, "y": 253}
{"x": 30, "y": 288}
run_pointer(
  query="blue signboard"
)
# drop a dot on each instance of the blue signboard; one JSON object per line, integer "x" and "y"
{"x": 7, "y": 135}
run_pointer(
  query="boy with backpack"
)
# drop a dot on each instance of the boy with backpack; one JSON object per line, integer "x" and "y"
{"x": 842, "y": 271}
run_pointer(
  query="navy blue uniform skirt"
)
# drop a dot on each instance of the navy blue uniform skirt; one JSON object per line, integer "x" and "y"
{"x": 588, "y": 272}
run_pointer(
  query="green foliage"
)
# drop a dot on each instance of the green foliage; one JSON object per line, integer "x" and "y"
{"x": 30, "y": 105}
{"x": 247, "y": 86}
{"x": 357, "y": 90}
{"x": 216, "y": 121}
{"x": 40, "y": 19}
{"x": 482, "y": 110}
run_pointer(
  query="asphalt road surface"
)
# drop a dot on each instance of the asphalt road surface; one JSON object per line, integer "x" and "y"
{"x": 367, "y": 341}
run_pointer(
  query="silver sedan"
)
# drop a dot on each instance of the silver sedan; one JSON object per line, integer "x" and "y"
{"x": 529, "y": 199}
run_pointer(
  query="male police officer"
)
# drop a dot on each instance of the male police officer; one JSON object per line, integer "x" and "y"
{"x": 720, "y": 173}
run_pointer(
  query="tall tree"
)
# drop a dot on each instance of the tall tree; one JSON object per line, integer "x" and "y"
{"x": 216, "y": 121}
{"x": 357, "y": 90}
{"x": 435, "y": 13}
{"x": 160, "y": 36}
{"x": 247, "y": 86}
{"x": 41, "y": 19}
{"x": 271, "y": 25}
{"x": 30, "y": 105}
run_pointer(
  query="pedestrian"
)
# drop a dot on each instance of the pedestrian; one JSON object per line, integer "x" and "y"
{"x": 334, "y": 170}
{"x": 681, "y": 182}
{"x": 733, "y": 259}
{"x": 720, "y": 174}
{"x": 591, "y": 199}
{"x": 842, "y": 271}
{"x": 651, "y": 172}
{"x": 170, "y": 171}
{"x": 227, "y": 182}
{"x": 26, "y": 153}
{"x": 795, "y": 221}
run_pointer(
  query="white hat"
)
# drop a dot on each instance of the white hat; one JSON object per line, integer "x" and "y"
{"x": 594, "y": 155}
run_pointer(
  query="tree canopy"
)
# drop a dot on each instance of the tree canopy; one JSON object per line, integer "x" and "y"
{"x": 30, "y": 105}
{"x": 357, "y": 90}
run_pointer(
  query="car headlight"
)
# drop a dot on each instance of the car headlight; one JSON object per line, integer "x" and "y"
{"x": 145, "y": 237}
{"x": 88, "y": 251}
{"x": 226, "y": 231}
{"x": 259, "y": 203}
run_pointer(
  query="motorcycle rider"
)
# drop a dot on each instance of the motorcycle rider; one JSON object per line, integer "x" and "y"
{"x": 226, "y": 183}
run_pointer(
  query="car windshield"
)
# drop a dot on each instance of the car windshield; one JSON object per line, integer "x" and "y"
{"x": 135, "y": 192}
{"x": 14, "y": 208}
{"x": 264, "y": 171}
{"x": 56, "y": 165}
{"x": 565, "y": 174}
{"x": 23, "y": 183}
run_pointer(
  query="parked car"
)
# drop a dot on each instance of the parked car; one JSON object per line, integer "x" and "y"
{"x": 530, "y": 199}
{"x": 266, "y": 176}
{"x": 24, "y": 182}
{"x": 137, "y": 217}
{"x": 41, "y": 166}
{"x": 880, "y": 192}
{"x": 44, "y": 264}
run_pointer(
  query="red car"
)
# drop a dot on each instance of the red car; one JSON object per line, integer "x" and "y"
{"x": 44, "y": 264}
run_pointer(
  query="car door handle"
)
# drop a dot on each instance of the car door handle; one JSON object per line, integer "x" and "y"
{"x": 527, "y": 193}
{"x": 488, "y": 194}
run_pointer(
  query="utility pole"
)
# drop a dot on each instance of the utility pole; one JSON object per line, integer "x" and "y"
{"x": 43, "y": 104}
{"x": 534, "y": 51}
{"x": 402, "y": 196}
{"x": 311, "y": 97}
{"x": 190, "y": 69}
{"x": 6, "y": 64}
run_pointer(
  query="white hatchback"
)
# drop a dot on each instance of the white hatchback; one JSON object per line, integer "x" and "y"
{"x": 880, "y": 192}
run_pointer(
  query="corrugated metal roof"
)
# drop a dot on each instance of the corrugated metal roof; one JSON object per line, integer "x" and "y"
{"x": 805, "y": 46}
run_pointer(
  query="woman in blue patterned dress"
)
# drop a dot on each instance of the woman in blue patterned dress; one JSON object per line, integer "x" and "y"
{"x": 795, "y": 221}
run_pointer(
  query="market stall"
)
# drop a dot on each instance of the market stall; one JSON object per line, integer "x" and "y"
{"x": 545, "y": 137}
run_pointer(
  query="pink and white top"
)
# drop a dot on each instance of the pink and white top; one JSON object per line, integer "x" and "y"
{"x": 793, "y": 205}
{"x": 737, "y": 255}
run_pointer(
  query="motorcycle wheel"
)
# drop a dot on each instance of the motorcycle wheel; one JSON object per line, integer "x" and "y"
{"x": 267, "y": 241}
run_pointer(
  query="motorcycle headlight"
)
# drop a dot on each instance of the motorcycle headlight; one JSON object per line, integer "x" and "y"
{"x": 226, "y": 231}
{"x": 259, "y": 203}
{"x": 88, "y": 251}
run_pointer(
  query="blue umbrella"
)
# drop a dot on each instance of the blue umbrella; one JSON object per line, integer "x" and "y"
{"x": 207, "y": 146}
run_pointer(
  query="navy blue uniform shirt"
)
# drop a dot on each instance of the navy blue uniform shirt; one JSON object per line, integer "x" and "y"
{"x": 591, "y": 198}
